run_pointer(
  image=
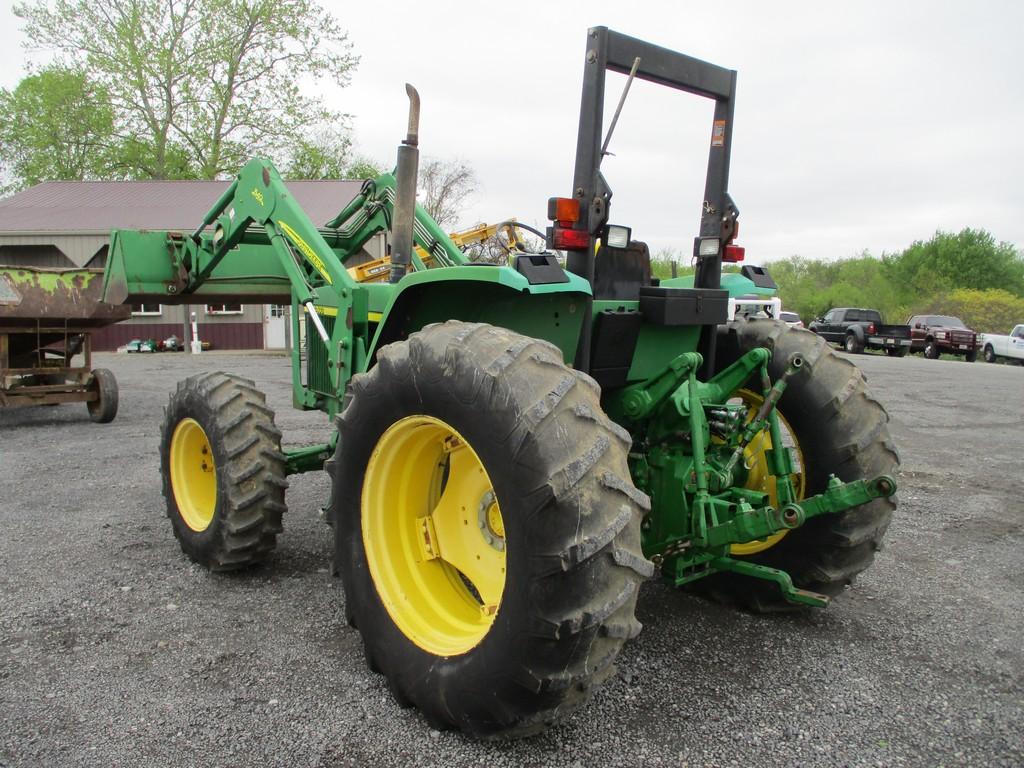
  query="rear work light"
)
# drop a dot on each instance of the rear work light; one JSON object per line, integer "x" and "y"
{"x": 708, "y": 246}
{"x": 616, "y": 236}
{"x": 568, "y": 239}
{"x": 733, "y": 253}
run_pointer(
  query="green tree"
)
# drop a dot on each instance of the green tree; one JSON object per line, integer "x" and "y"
{"x": 56, "y": 124}
{"x": 970, "y": 259}
{"x": 199, "y": 86}
{"x": 989, "y": 311}
{"x": 327, "y": 154}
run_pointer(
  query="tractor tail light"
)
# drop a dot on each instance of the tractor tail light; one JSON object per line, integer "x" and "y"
{"x": 564, "y": 210}
{"x": 733, "y": 253}
{"x": 568, "y": 239}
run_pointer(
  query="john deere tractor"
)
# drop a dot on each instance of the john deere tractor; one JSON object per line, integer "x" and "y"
{"x": 519, "y": 447}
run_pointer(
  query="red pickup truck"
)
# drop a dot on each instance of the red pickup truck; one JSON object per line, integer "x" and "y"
{"x": 935, "y": 334}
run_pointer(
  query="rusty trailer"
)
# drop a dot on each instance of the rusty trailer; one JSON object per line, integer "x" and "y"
{"x": 47, "y": 317}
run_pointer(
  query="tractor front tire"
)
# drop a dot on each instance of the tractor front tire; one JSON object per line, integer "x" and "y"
{"x": 223, "y": 471}
{"x": 103, "y": 409}
{"x": 840, "y": 429}
{"x": 486, "y": 529}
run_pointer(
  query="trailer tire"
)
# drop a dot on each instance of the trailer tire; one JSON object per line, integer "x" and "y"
{"x": 841, "y": 429}
{"x": 223, "y": 471}
{"x": 103, "y": 409}
{"x": 459, "y": 401}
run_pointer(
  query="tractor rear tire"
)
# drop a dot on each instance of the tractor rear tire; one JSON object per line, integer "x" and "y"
{"x": 103, "y": 409}
{"x": 223, "y": 471}
{"x": 550, "y": 469}
{"x": 840, "y": 429}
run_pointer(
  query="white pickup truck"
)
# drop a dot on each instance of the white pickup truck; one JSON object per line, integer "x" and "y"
{"x": 993, "y": 346}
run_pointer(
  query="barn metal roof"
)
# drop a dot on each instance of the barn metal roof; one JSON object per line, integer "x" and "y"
{"x": 71, "y": 208}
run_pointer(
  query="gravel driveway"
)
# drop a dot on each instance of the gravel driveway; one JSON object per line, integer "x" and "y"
{"x": 116, "y": 651}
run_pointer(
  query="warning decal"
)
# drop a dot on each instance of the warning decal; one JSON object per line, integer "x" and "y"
{"x": 718, "y": 134}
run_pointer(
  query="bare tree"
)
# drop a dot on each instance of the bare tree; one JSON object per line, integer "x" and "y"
{"x": 444, "y": 186}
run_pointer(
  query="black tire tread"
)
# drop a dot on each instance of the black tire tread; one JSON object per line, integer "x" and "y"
{"x": 104, "y": 409}
{"x": 251, "y": 469}
{"x": 586, "y": 571}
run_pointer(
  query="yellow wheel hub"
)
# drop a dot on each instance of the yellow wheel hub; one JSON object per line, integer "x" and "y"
{"x": 759, "y": 476}
{"x": 193, "y": 475}
{"x": 434, "y": 536}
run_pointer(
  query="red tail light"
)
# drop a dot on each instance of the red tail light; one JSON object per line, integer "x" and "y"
{"x": 569, "y": 239}
{"x": 871, "y": 328}
{"x": 733, "y": 253}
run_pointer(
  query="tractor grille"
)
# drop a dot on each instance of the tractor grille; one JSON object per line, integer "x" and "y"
{"x": 318, "y": 374}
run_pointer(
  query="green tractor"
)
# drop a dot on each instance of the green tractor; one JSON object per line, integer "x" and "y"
{"x": 519, "y": 447}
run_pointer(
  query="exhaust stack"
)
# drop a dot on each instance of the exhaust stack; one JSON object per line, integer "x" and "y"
{"x": 405, "y": 193}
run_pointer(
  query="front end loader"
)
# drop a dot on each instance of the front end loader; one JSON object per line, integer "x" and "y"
{"x": 519, "y": 447}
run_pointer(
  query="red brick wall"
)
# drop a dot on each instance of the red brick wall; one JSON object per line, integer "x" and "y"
{"x": 220, "y": 335}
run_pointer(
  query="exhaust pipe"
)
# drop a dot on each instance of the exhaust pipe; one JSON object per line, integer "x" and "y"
{"x": 405, "y": 192}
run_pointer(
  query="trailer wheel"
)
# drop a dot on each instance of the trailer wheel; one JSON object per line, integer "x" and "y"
{"x": 487, "y": 532}
{"x": 839, "y": 428}
{"x": 223, "y": 471}
{"x": 103, "y": 409}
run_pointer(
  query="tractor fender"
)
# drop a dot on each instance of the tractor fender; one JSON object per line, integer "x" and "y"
{"x": 495, "y": 295}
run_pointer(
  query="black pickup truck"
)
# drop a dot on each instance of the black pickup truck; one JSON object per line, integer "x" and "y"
{"x": 856, "y": 329}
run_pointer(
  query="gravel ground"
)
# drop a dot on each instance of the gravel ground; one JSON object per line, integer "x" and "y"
{"x": 115, "y": 650}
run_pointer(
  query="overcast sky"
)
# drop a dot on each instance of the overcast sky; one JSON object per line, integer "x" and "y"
{"x": 860, "y": 125}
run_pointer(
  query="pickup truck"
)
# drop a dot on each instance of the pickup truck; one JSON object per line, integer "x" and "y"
{"x": 934, "y": 334}
{"x": 856, "y": 329}
{"x": 995, "y": 346}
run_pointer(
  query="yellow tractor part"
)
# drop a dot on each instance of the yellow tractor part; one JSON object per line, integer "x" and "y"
{"x": 379, "y": 270}
{"x": 193, "y": 475}
{"x": 434, "y": 535}
{"x": 759, "y": 476}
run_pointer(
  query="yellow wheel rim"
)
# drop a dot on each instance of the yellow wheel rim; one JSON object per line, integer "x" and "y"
{"x": 193, "y": 475}
{"x": 434, "y": 536}
{"x": 759, "y": 477}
